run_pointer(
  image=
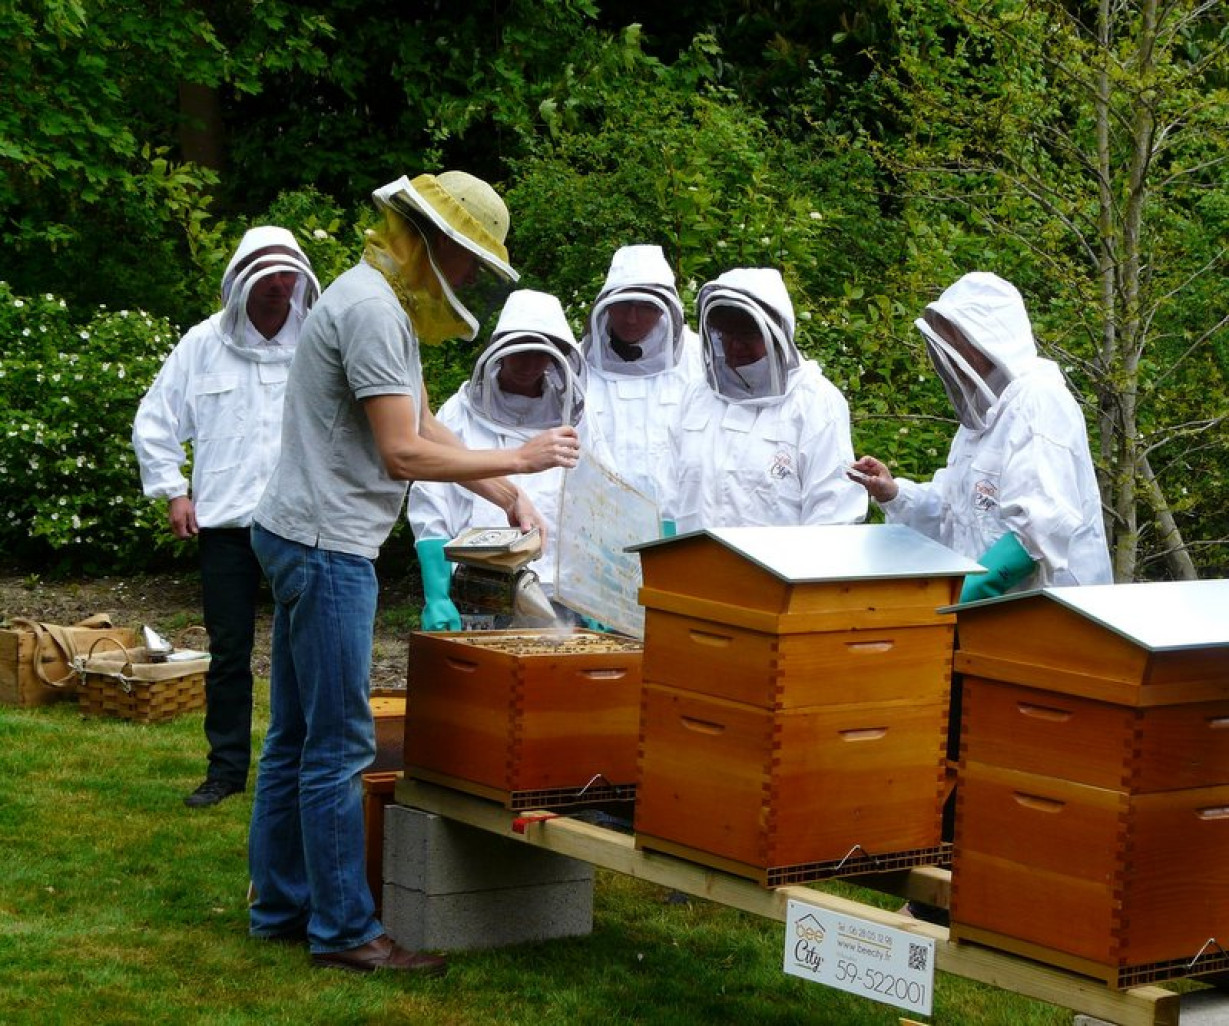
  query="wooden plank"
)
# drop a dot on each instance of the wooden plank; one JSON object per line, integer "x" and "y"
{"x": 930, "y": 885}
{"x": 773, "y": 622}
{"x": 1139, "y": 1006}
{"x": 1097, "y": 687}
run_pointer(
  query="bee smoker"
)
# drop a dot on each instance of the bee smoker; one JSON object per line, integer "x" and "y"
{"x": 477, "y": 589}
{"x": 493, "y": 575}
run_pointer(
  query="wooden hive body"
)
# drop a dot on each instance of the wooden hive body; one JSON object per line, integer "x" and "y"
{"x": 1092, "y": 823}
{"x": 528, "y": 726}
{"x": 388, "y": 711}
{"x": 791, "y": 729}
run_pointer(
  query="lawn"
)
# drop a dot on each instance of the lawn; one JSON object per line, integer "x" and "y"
{"x": 119, "y": 905}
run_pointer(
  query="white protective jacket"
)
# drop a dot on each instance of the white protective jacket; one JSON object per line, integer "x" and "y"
{"x": 777, "y": 458}
{"x": 483, "y": 417}
{"x": 221, "y": 390}
{"x": 633, "y": 403}
{"x": 1020, "y": 460}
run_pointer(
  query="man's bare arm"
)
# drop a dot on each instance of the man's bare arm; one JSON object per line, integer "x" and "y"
{"x": 436, "y": 454}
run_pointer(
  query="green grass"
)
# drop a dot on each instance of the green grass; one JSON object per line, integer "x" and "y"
{"x": 119, "y": 905}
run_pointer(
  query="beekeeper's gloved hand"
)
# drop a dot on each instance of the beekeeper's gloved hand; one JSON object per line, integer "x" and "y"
{"x": 669, "y": 529}
{"x": 595, "y": 625}
{"x": 439, "y": 614}
{"x": 1007, "y": 563}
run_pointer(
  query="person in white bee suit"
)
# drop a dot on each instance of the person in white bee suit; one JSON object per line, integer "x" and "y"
{"x": 765, "y": 439}
{"x": 642, "y": 357}
{"x": 1019, "y": 493}
{"x": 531, "y": 376}
{"x": 221, "y": 391}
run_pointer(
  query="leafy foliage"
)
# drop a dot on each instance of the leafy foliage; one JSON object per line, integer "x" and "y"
{"x": 1071, "y": 157}
{"x": 67, "y": 471}
{"x": 331, "y": 235}
{"x": 874, "y": 153}
{"x": 96, "y": 206}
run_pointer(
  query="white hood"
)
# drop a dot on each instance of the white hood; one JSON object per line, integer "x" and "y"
{"x": 760, "y": 292}
{"x": 637, "y": 274}
{"x": 285, "y": 255}
{"x": 530, "y": 322}
{"x": 989, "y": 312}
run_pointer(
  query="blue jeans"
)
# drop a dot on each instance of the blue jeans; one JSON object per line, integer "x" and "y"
{"x": 305, "y": 846}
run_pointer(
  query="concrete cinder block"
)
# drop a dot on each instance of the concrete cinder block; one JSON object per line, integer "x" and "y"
{"x": 487, "y": 919}
{"x": 451, "y": 887}
{"x": 426, "y": 852}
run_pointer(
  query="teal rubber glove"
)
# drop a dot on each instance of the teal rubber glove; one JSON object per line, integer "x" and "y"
{"x": 669, "y": 529}
{"x": 1007, "y": 563}
{"x": 439, "y": 614}
{"x": 594, "y": 625}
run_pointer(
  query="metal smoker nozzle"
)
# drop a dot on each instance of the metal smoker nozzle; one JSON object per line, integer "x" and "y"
{"x": 157, "y": 648}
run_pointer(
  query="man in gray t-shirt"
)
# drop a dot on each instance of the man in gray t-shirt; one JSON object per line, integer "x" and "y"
{"x": 331, "y": 487}
{"x": 357, "y": 428}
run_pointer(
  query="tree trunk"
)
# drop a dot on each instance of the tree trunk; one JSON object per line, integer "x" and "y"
{"x": 201, "y": 136}
{"x": 1177, "y": 558}
{"x": 1117, "y": 496}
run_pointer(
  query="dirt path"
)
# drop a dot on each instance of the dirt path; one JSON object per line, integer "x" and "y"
{"x": 171, "y": 602}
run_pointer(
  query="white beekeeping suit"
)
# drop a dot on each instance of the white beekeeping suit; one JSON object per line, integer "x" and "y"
{"x": 1020, "y": 461}
{"x": 222, "y": 389}
{"x": 484, "y": 416}
{"x": 635, "y": 392}
{"x": 765, "y": 443}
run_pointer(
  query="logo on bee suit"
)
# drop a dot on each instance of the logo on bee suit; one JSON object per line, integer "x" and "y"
{"x": 985, "y": 496}
{"x": 782, "y": 466}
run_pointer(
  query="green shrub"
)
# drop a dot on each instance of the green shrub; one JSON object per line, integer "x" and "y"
{"x": 69, "y": 387}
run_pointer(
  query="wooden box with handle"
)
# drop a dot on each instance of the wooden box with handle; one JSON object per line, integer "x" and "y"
{"x": 36, "y": 659}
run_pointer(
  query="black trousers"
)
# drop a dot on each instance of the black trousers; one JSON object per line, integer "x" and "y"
{"x": 230, "y": 584}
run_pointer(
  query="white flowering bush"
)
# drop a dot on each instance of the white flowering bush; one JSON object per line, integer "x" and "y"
{"x": 70, "y": 381}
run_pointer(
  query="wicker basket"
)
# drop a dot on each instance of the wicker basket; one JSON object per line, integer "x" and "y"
{"x": 127, "y": 685}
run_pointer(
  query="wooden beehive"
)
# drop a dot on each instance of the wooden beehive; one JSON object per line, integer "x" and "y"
{"x": 531, "y": 718}
{"x": 795, "y": 708}
{"x": 1092, "y": 812}
{"x": 388, "y": 712}
{"x": 379, "y": 787}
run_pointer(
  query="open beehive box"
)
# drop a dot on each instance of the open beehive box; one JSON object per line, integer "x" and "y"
{"x": 794, "y": 719}
{"x": 1092, "y": 810}
{"x": 532, "y": 718}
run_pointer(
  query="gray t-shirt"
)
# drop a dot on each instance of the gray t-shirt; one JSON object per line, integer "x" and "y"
{"x": 330, "y": 489}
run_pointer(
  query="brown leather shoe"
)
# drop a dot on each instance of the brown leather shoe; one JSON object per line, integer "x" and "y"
{"x": 381, "y": 953}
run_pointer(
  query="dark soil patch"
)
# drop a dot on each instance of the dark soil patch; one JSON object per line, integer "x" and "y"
{"x": 171, "y": 603}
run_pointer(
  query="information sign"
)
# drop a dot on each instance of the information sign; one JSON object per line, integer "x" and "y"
{"x": 891, "y": 966}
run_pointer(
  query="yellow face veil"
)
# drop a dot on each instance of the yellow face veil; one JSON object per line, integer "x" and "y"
{"x": 470, "y": 213}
